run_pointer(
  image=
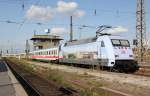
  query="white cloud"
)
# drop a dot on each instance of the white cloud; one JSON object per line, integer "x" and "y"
{"x": 66, "y": 6}
{"x": 47, "y": 13}
{"x": 69, "y": 8}
{"x": 58, "y": 30}
{"x": 118, "y": 29}
{"x": 39, "y": 13}
{"x": 79, "y": 13}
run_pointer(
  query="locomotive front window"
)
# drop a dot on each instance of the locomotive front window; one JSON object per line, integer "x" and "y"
{"x": 125, "y": 43}
{"x": 118, "y": 42}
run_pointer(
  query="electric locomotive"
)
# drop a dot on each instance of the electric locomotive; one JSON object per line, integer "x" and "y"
{"x": 109, "y": 51}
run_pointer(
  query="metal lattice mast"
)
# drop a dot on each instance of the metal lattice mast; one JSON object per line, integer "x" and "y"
{"x": 141, "y": 29}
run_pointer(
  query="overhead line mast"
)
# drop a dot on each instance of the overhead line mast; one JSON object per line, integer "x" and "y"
{"x": 141, "y": 30}
{"x": 71, "y": 29}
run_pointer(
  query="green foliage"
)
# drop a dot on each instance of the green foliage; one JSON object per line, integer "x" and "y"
{"x": 92, "y": 93}
{"x": 55, "y": 76}
{"x": 88, "y": 93}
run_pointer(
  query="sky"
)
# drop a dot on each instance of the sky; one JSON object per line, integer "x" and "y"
{"x": 19, "y": 19}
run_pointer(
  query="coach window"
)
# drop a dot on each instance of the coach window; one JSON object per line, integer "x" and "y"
{"x": 52, "y": 52}
{"x": 102, "y": 44}
{"x": 56, "y": 52}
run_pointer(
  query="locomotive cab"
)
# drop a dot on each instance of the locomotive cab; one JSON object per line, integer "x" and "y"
{"x": 124, "y": 57}
{"x": 118, "y": 52}
{"x": 122, "y": 49}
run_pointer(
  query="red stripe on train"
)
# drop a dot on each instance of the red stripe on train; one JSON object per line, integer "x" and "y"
{"x": 50, "y": 57}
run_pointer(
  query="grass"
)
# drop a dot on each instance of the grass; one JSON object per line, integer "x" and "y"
{"x": 46, "y": 72}
{"x": 55, "y": 76}
{"x": 92, "y": 93}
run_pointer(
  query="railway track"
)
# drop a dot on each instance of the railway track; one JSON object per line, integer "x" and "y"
{"x": 143, "y": 71}
{"x": 69, "y": 91}
{"x": 27, "y": 86}
{"x": 37, "y": 86}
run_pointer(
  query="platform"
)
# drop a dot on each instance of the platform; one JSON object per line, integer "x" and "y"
{"x": 9, "y": 86}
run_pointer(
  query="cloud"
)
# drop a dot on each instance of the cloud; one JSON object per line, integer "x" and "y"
{"x": 39, "y": 13}
{"x": 47, "y": 13}
{"x": 118, "y": 29}
{"x": 58, "y": 30}
{"x": 66, "y": 7}
{"x": 69, "y": 8}
{"x": 79, "y": 13}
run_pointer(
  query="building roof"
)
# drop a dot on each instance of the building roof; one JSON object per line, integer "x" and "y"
{"x": 45, "y": 37}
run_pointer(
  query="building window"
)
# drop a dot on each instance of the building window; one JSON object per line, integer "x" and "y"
{"x": 40, "y": 47}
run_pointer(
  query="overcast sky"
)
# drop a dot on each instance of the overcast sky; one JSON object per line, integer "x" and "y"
{"x": 20, "y": 18}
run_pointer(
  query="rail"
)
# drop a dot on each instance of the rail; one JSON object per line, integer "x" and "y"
{"x": 31, "y": 91}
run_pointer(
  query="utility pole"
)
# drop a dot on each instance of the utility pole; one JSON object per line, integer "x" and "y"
{"x": 80, "y": 32}
{"x": 34, "y": 32}
{"x": 71, "y": 30}
{"x": 27, "y": 50}
{"x": 141, "y": 30}
{"x": 1, "y": 53}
